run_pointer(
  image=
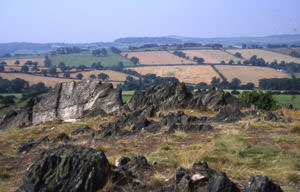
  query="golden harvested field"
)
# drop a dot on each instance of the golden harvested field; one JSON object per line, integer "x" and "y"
{"x": 212, "y": 56}
{"x": 113, "y": 75}
{"x": 33, "y": 79}
{"x": 268, "y": 56}
{"x": 188, "y": 74}
{"x": 40, "y": 60}
{"x": 249, "y": 73}
{"x": 157, "y": 57}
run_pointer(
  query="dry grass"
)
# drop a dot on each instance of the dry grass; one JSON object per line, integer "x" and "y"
{"x": 188, "y": 74}
{"x": 157, "y": 57}
{"x": 40, "y": 61}
{"x": 212, "y": 56}
{"x": 249, "y": 73}
{"x": 268, "y": 56}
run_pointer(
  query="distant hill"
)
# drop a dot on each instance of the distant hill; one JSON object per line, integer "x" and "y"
{"x": 36, "y": 48}
{"x": 146, "y": 40}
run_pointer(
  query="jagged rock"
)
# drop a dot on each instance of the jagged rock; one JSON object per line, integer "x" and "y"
{"x": 270, "y": 117}
{"x": 67, "y": 168}
{"x": 27, "y": 146}
{"x": 215, "y": 98}
{"x": 82, "y": 130}
{"x": 72, "y": 100}
{"x": 62, "y": 137}
{"x": 221, "y": 183}
{"x": 31, "y": 143}
{"x": 228, "y": 114}
{"x": 16, "y": 118}
{"x": 260, "y": 183}
{"x": 141, "y": 124}
{"x": 165, "y": 96}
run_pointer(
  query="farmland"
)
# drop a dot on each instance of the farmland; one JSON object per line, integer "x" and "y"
{"x": 212, "y": 56}
{"x": 11, "y": 62}
{"x": 113, "y": 75}
{"x": 86, "y": 58}
{"x": 188, "y": 74}
{"x": 268, "y": 56}
{"x": 249, "y": 73}
{"x": 34, "y": 79}
{"x": 288, "y": 99}
{"x": 157, "y": 58}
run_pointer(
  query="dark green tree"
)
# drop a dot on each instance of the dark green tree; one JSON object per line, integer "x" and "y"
{"x": 134, "y": 60}
{"x": 92, "y": 76}
{"x": 25, "y": 68}
{"x": 103, "y": 76}
{"x": 79, "y": 76}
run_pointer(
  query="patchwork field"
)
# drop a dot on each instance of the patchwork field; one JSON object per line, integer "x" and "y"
{"x": 10, "y": 62}
{"x": 188, "y": 74}
{"x": 249, "y": 73}
{"x": 157, "y": 57}
{"x": 268, "y": 56}
{"x": 212, "y": 56}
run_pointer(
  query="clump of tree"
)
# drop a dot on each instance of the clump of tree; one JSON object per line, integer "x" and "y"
{"x": 180, "y": 54}
{"x": 47, "y": 61}
{"x": 280, "y": 84}
{"x": 115, "y": 50}
{"x": 97, "y": 65}
{"x": 295, "y": 54}
{"x": 134, "y": 60}
{"x": 79, "y": 76}
{"x": 238, "y": 55}
{"x": 262, "y": 99}
{"x": 103, "y": 76}
{"x": 66, "y": 50}
{"x": 199, "y": 60}
{"x": 100, "y": 52}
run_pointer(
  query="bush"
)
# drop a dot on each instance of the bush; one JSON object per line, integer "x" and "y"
{"x": 262, "y": 99}
{"x": 235, "y": 92}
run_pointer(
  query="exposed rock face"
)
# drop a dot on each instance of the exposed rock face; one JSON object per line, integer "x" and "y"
{"x": 71, "y": 100}
{"x": 214, "y": 98}
{"x": 67, "y": 168}
{"x": 260, "y": 183}
{"x": 16, "y": 118}
{"x": 228, "y": 114}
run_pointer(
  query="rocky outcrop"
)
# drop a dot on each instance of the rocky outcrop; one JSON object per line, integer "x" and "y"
{"x": 67, "y": 168}
{"x": 72, "y": 100}
{"x": 68, "y": 100}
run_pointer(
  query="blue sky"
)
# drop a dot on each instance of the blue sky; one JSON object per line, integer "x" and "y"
{"x": 105, "y": 20}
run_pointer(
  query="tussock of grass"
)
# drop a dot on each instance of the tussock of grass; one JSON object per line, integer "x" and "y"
{"x": 180, "y": 135}
{"x": 283, "y": 138}
{"x": 266, "y": 125}
{"x": 294, "y": 178}
{"x": 165, "y": 155}
{"x": 295, "y": 128}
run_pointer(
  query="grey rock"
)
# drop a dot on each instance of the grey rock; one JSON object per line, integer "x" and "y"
{"x": 221, "y": 183}
{"x": 260, "y": 183}
{"x": 270, "y": 117}
{"x": 16, "y": 118}
{"x": 72, "y": 100}
{"x": 82, "y": 130}
{"x": 228, "y": 114}
{"x": 68, "y": 168}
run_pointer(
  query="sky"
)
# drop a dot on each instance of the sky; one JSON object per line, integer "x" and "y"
{"x": 84, "y": 21}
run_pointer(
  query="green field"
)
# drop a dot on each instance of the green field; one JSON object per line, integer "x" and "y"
{"x": 297, "y": 75}
{"x": 86, "y": 58}
{"x": 285, "y": 99}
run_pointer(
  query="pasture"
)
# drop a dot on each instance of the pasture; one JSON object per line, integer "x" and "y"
{"x": 288, "y": 99}
{"x": 212, "y": 56}
{"x": 157, "y": 58}
{"x": 188, "y": 74}
{"x": 86, "y": 58}
{"x": 113, "y": 75}
{"x": 268, "y": 56}
{"x": 249, "y": 73}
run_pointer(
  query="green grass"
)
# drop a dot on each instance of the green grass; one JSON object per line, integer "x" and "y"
{"x": 285, "y": 99}
{"x": 126, "y": 98}
{"x": 86, "y": 58}
{"x": 297, "y": 75}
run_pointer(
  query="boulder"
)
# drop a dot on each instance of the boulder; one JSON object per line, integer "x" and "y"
{"x": 16, "y": 118}
{"x": 260, "y": 183}
{"x": 67, "y": 168}
{"x": 228, "y": 114}
{"x": 270, "y": 117}
{"x": 72, "y": 100}
{"x": 221, "y": 183}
